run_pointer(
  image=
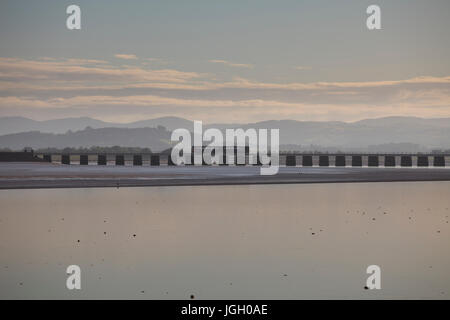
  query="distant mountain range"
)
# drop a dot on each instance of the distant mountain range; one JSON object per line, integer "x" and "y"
{"x": 402, "y": 134}
{"x": 156, "y": 139}
{"x": 20, "y": 124}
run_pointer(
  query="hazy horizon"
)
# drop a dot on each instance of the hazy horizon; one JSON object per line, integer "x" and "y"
{"x": 236, "y": 122}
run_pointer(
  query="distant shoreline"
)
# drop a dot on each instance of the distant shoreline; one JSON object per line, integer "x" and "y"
{"x": 45, "y": 175}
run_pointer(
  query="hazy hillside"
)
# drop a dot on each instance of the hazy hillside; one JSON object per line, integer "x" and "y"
{"x": 156, "y": 139}
{"x": 20, "y": 124}
{"x": 428, "y": 133}
{"x": 406, "y": 134}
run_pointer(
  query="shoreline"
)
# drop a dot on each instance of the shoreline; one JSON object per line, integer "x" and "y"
{"x": 52, "y": 176}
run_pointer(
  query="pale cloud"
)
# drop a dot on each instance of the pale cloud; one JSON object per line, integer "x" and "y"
{"x": 79, "y": 85}
{"x": 14, "y": 70}
{"x": 231, "y": 64}
{"x": 247, "y": 110}
{"x": 421, "y": 100}
{"x": 302, "y": 68}
{"x": 244, "y": 83}
{"x": 63, "y": 87}
{"x": 138, "y": 100}
{"x": 155, "y": 59}
{"x": 74, "y": 61}
{"x": 126, "y": 56}
{"x": 20, "y": 69}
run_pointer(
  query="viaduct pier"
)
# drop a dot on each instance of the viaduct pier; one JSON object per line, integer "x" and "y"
{"x": 285, "y": 159}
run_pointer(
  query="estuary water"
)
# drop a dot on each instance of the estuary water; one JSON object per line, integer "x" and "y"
{"x": 227, "y": 242}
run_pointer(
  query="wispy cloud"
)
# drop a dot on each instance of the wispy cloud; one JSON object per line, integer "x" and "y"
{"x": 60, "y": 71}
{"x": 225, "y": 110}
{"x": 302, "y": 68}
{"x": 81, "y": 85}
{"x": 126, "y": 56}
{"x": 245, "y": 83}
{"x": 155, "y": 59}
{"x": 231, "y": 64}
{"x": 74, "y": 61}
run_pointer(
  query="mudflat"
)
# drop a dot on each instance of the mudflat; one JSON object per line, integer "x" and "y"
{"x": 47, "y": 175}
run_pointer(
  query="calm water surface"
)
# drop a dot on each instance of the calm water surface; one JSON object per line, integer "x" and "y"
{"x": 220, "y": 242}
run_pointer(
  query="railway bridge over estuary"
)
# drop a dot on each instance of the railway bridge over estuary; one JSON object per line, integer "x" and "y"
{"x": 91, "y": 169}
{"x": 288, "y": 159}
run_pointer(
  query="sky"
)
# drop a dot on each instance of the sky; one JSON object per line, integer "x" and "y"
{"x": 225, "y": 60}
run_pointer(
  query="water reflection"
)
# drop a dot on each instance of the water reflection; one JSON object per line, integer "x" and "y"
{"x": 255, "y": 242}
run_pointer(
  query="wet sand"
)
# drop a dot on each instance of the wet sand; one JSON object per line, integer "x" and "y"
{"x": 46, "y": 175}
{"x": 279, "y": 241}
